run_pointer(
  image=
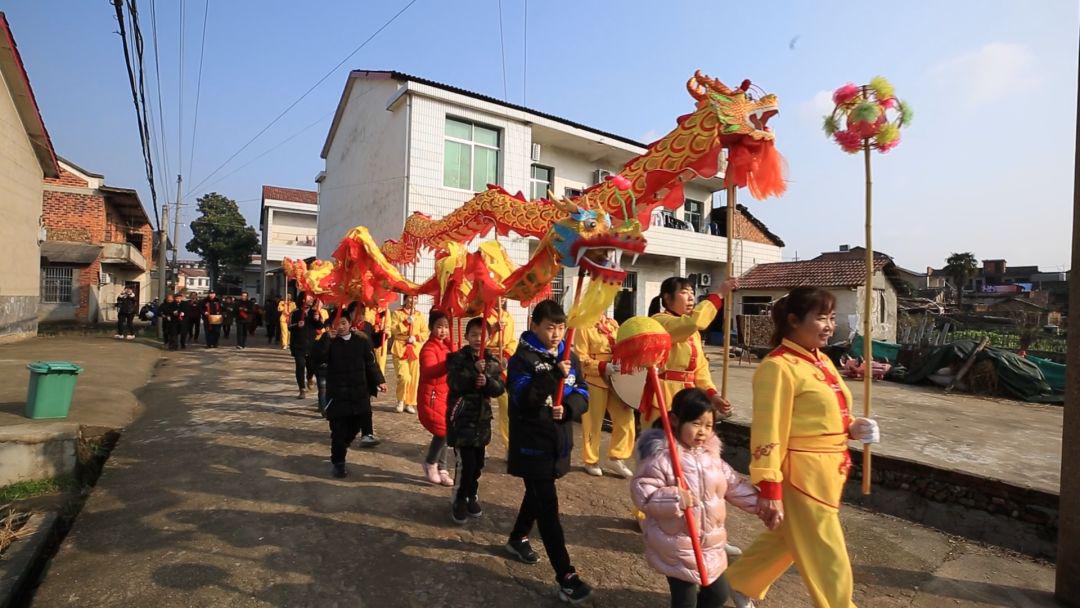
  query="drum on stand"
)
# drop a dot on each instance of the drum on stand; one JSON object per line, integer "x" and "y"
{"x": 630, "y": 387}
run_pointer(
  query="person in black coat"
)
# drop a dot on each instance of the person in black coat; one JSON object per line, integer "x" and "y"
{"x": 169, "y": 313}
{"x": 188, "y": 314}
{"x": 357, "y": 311}
{"x": 273, "y": 320}
{"x": 473, "y": 382}
{"x": 541, "y": 438}
{"x": 127, "y": 304}
{"x": 352, "y": 379}
{"x": 213, "y": 314}
{"x": 244, "y": 312}
{"x": 303, "y": 325}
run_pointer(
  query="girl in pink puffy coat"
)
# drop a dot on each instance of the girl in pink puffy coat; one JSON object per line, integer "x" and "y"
{"x": 710, "y": 482}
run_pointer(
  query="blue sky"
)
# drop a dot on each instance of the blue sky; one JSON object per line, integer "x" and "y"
{"x": 987, "y": 165}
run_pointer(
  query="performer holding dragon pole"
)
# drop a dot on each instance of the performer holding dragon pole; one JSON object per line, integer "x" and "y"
{"x": 799, "y": 456}
{"x": 410, "y": 331}
{"x": 594, "y": 345}
{"x": 503, "y": 342}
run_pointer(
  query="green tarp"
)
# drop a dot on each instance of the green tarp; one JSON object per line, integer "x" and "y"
{"x": 1053, "y": 372}
{"x": 1017, "y": 377}
{"x": 882, "y": 350}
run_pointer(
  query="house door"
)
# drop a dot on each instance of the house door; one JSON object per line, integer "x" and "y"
{"x": 626, "y": 299}
{"x": 134, "y": 287}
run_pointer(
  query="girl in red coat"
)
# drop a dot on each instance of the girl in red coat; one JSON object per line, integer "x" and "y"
{"x": 431, "y": 397}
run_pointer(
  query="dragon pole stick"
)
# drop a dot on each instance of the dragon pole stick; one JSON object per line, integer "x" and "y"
{"x": 653, "y": 392}
{"x": 569, "y": 337}
{"x": 731, "y": 192}
{"x": 868, "y": 309}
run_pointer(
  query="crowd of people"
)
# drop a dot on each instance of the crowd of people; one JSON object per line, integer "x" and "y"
{"x": 538, "y": 384}
{"x": 184, "y": 318}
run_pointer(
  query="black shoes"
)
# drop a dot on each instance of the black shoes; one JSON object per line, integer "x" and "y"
{"x": 473, "y": 507}
{"x": 522, "y": 551}
{"x": 459, "y": 512}
{"x": 340, "y": 471}
{"x": 572, "y": 589}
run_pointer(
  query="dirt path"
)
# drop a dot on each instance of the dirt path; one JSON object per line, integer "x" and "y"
{"x": 220, "y": 495}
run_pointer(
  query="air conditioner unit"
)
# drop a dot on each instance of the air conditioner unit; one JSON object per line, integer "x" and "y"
{"x": 705, "y": 280}
{"x": 535, "y": 153}
{"x": 105, "y": 279}
{"x": 600, "y": 175}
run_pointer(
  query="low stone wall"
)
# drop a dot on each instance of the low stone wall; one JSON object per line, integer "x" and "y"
{"x": 979, "y": 508}
{"x": 18, "y": 318}
{"x": 38, "y": 451}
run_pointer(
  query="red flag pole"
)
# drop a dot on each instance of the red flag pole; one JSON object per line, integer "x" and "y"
{"x": 569, "y": 337}
{"x": 653, "y": 386}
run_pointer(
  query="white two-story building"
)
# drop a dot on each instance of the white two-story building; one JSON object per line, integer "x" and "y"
{"x": 400, "y": 144}
{"x": 288, "y": 225}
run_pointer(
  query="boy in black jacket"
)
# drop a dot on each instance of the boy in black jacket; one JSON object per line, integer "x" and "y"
{"x": 352, "y": 379}
{"x": 541, "y": 439}
{"x": 473, "y": 383}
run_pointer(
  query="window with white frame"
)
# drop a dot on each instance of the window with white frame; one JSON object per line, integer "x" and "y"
{"x": 56, "y": 284}
{"x": 694, "y": 212}
{"x": 540, "y": 181}
{"x": 470, "y": 155}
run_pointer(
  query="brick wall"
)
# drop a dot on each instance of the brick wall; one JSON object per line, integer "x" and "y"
{"x": 66, "y": 178}
{"x": 745, "y": 229}
{"x": 76, "y": 217}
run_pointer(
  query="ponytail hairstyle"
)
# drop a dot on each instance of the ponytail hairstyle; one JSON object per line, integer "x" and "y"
{"x": 672, "y": 286}
{"x": 801, "y": 302}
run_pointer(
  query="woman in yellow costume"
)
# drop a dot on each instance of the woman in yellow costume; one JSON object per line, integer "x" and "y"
{"x": 504, "y": 342}
{"x": 286, "y": 308}
{"x": 409, "y": 330}
{"x": 378, "y": 321}
{"x": 799, "y": 456}
{"x": 593, "y": 345}
{"x": 687, "y": 366}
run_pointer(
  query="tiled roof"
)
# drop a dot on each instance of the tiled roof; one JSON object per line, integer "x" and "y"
{"x": 18, "y": 83}
{"x": 292, "y": 195}
{"x": 193, "y": 272}
{"x": 810, "y": 273}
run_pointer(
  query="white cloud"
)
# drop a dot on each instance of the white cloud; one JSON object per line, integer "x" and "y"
{"x": 988, "y": 73}
{"x": 817, "y": 107}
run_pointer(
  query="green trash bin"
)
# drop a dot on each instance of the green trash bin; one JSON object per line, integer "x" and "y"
{"x": 52, "y": 384}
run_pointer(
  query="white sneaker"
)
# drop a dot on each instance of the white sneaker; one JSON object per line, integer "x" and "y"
{"x": 410, "y": 409}
{"x": 741, "y": 601}
{"x": 619, "y": 468}
{"x": 368, "y": 441}
{"x": 400, "y": 407}
{"x": 118, "y": 337}
{"x": 732, "y": 550}
{"x": 594, "y": 470}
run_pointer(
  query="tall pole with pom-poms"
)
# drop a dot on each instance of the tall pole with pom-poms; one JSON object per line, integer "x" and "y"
{"x": 867, "y": 117}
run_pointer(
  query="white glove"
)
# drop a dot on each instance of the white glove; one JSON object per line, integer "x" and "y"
{"x": 610, "y": 370}
{"x": 865, "y": 430}
{"x": 411, "y": 340}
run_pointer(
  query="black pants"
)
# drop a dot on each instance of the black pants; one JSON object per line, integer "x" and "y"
{"x": 182, "y": 331}
{"x": 470, "y": 464}
{"x": 300, "y": 357}
{"x": 125, "y": 324}
{"x": 541, "y": 505}
{"x": 343, "y": 430}
{"x": 241, "y": 334}
{"x": 195, "y": 329}
{"x": 689, "y": 595}
{"x": 271, "y": 332}
{"x": 213, "y": 334}
{"x": 320, "y": 384}
{"x": 225, "y": 329}
{"x": 169, "y": 329}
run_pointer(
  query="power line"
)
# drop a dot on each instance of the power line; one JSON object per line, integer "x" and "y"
{"x": 180, "y": 99}
{"x": 272, "y": 148}
{"x": 198, "y": 88}
{"x": 163, "y": 142}
{"x": 502, "y": 49}
{"x": 306, "y": 93}
{"x": 140, "y": 110}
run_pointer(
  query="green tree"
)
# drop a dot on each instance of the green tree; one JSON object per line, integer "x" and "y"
{"x": 221, "y": 236}
{"x": 961, "y": 267}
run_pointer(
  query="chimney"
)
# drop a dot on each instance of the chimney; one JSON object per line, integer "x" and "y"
{"x": 844, "y": 248}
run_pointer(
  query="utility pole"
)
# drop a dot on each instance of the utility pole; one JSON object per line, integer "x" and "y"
{"x": 176, "y": 224}
{"x": 163, "y": 265}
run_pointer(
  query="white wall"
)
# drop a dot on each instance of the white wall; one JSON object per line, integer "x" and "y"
{"x": 365, "y": 167}
{"x": 20, "y": 193}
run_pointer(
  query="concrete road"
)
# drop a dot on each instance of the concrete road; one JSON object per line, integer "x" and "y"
{"x": 220, "y": 495}
{"x": 1013, "y": 441}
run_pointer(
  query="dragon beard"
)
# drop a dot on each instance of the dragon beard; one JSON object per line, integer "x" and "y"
{"x": 759, "y": 167}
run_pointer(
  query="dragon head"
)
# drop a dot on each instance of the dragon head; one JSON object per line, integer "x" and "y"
{"x": 586, "y": 239}
{"x": 742, "y": 113}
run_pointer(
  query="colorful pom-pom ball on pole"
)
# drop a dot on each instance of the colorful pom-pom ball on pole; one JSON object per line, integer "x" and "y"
{"x": 870, "y": 114}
